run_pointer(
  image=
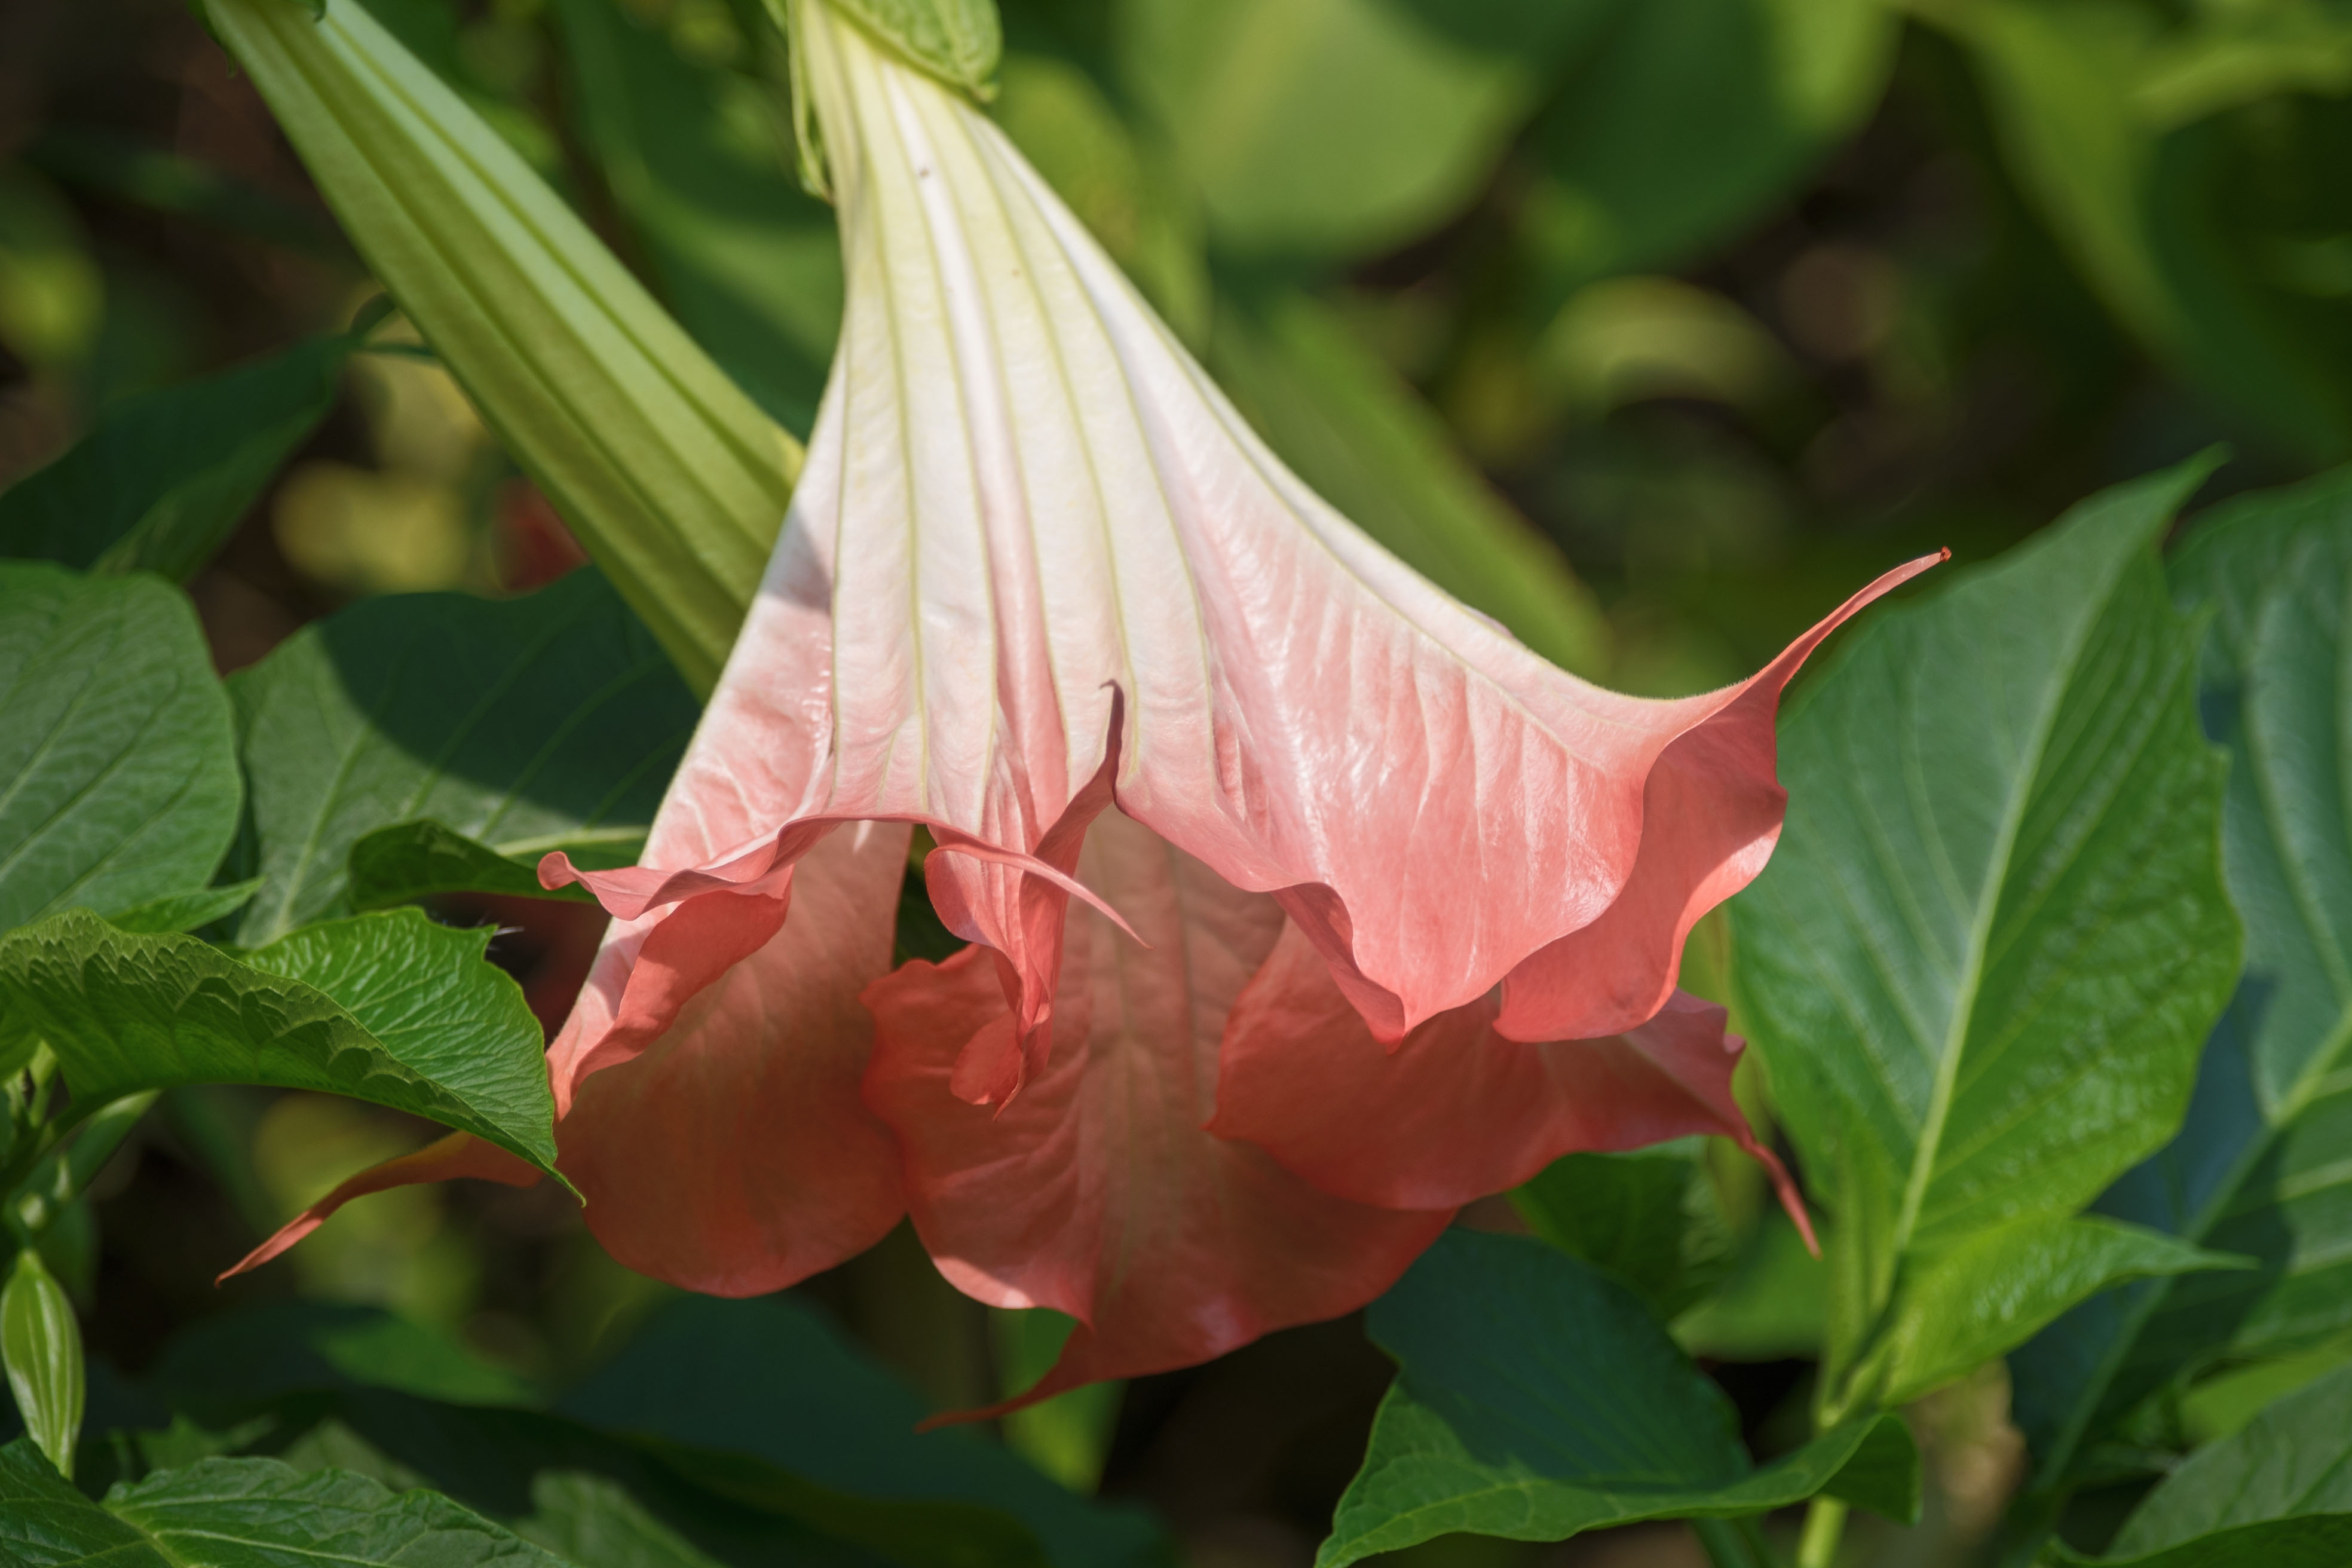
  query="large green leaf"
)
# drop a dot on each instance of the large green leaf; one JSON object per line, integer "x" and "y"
{"x": 750, "y": 263}
{"x": 711, "y": 1375}
{"x": 524, "y": 724}
{"x": 1993, "y": 937}
{"x": 2259, "y": 1167}
{"x": 118, "y": 769}
{"x": 771, "y": 1441}
{"x": 1536, "y": 1399}
{"x": 2278, "y": 1494}
{"x": 241, "y": 1513}
{"x": 167, "y": 476}
{"x": 1338, "y": 128}
{"x": 1688, "y": 118}
{"x": 1371, "y": 448}
{"x": 385, "y": 1008}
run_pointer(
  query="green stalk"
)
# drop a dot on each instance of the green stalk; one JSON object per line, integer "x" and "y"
{"x": 672, "y": 478}
{"x": 1825, "y": 1524}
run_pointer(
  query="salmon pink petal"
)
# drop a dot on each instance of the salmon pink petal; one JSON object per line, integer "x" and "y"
{"x": 1097, "y": 1191}
{"x": 1039, "y": 543}
{"x": 458, "y": 1155}
{"x": 730, "y": 1152}
{"x": 1457, "y": 1110}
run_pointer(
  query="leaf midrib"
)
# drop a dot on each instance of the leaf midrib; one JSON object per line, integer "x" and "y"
{"x": 1926, "y": 1150}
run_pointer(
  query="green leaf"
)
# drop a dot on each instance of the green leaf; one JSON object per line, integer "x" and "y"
{"x": 242, "y": 1513}
{"x": 1993, "y": 937}
{"x": 1689, "y": 119}
{"x": 1367, "y": 444}
{"x": 412, "y": 860}
{"x": 388, "y": 1007}
{"x": 186, "y": 912}
{"x": 749, "y": 1430}
{"x": 593, "y": 1523}
{"x": 1966, "y": 1306}
{"x": 118, "y": 767}
{"x": 1331, "y": 128}
{"x": 523, "y": 724}
{"x": 2259, "y": 1167}
{"x": 167, "y": 476}
{"x": 711, "y": 1375}
{"x": 40, "y": 1346}
{"x": 1505, "y": 1421}
{"x": 1648, "y": 1218}
{"x": 2276, "y": 1495}
{"x": 750, "y": 263}
{"x": 672, "y": 478}
{"x": 956, "y": 41}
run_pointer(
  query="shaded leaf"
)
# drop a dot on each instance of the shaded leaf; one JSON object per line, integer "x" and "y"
{"x": 1501, "y": 1424}
{"x": 2276, "y": 1495}
{"x": 186, "y": 912}
{"x": 1647, "y": 1218}
{"x": 2258, "y": 1168}
{"x": 522, "y": 724}
{"x": 385, "y": 1008}
{"x": 118, "y": 769}
{"x": 167, "y": 476}
{"x": 412, "y": 860}
{"x": 1984, "y": 957}
{"x": 241, "y": 1513}
{"x": 711, "y": 1373}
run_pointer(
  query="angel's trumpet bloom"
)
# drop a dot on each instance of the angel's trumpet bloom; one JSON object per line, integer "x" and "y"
{"x": 1043, "y": 591}
{"x": 1414, "y": 900}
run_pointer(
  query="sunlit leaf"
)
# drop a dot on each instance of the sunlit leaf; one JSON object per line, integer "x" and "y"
{"x": 384, "y": 1007}
{"x": 2259, "y": 1167}
{"x": 118, "y": 770}
{"x": 165, "y": 477}
{"x": 1982, "y": 962}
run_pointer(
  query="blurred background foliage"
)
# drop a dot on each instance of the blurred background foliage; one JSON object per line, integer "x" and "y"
{"x": 1652, "y": 327}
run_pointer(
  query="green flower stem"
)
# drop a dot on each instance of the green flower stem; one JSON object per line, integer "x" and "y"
{"x": 1824, "y": 1523}
{"x": 675, "y": 482}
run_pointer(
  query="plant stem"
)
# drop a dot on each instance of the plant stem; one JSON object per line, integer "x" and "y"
{"x": 1825, "y": 1522}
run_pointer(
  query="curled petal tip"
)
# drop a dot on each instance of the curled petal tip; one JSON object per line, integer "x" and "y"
{"x": 555, "y": 870}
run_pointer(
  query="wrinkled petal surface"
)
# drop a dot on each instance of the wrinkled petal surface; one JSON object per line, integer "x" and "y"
{"x": 1457, "y": 1110}
{"x": 1036, "y": 540}
{"x": 1097, "y": 1191}
{"x": 731, "y": 1151}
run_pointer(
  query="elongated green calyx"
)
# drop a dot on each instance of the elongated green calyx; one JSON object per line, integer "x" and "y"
{"x": 673, "y": 480}
{"x": 40, "y": 1345}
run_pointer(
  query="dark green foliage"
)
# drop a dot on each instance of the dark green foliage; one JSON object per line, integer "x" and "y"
{"x": 1500, "y": 1423}
{"x": 530, "y": 724}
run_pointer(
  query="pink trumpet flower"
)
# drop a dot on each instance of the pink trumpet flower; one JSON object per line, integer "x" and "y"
{"x": 1378, "y": 911}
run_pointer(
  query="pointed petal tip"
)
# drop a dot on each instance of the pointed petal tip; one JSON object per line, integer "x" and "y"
{"x": 458, "y": 1155}
{"x": 1784, "y": 1186}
